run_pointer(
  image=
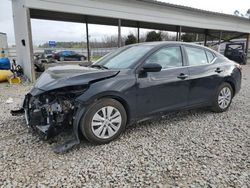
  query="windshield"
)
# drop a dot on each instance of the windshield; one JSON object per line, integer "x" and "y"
{"x": 124, "y": 58}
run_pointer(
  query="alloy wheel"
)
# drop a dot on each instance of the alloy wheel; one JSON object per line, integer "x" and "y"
{"x": 224, "y": 98}
{"x": 106, "y": 122}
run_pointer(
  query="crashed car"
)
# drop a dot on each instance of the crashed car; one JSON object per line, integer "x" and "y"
{"x": 56, "y": 101}
{"x": 130, "y": 84}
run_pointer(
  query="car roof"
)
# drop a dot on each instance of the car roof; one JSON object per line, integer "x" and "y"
{"x": 163, "y": 43}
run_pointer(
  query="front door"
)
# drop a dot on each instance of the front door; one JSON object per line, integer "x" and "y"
{"x": 164, "y": 90}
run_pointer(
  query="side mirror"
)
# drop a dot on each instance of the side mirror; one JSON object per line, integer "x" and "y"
{"x": 151, "y": 67}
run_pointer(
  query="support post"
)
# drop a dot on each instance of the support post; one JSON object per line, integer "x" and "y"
{"x": 177, "y": 33}
{"x": 247, "y": 46}
{"x": 205, "y": 38}
{"x": 119, "y": 33}
{"x": 220, "y": 36}
{"x": 177, "y": 36}
{"x": 33, "y": 75}
{"x": 197, "y": 37}
{"x": 87, "y": 37}
{"x": 138, "y": 32}
{"x": 180, "y": 33}
{"x": 23, "y": 36}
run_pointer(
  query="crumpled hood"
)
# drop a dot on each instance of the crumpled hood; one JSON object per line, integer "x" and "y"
{"x": 70, "y": 75}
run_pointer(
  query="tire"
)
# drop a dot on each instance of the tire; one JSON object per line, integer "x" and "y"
{"x": 82, "y": 59}
{"x": 61, "y": 58}
{"x": 217, "y": 106}
{"x": 99, "y": 130}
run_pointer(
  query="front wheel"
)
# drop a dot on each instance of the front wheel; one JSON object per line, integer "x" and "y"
{"x": 104, "y": 121}
{"x": 223, "y": 98}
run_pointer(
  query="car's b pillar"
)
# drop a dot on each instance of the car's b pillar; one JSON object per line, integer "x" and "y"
{"x": 247, "y": 47}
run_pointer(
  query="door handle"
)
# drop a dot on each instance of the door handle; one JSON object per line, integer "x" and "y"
{"x": 182, "y": 76}
{"x": 218, "y": 70}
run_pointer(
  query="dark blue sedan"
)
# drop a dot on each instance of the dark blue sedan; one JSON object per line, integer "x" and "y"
{"x": 67, "y": 55}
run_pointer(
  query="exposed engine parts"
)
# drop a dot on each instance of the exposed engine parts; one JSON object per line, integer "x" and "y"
{"x": 50, "y": 113}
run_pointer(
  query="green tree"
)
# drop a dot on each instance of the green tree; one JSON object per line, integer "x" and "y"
{"x": 153, "y": 36}
{"x": 188, "y": 37}
{"x": 246, "y": 15}
{"x": 130, "y": 39}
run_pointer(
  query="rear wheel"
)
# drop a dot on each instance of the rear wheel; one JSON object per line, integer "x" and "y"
{"x": 223, "y": 98}
{"x": 104, "y": 121}
{"x": 82, "y": 59}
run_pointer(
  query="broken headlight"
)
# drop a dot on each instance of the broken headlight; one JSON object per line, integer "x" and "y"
{"x": 55, "y": 107}
{"x": 74, "y": 90}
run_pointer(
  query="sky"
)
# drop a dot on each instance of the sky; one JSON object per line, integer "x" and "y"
{"x": 43, "y": 31}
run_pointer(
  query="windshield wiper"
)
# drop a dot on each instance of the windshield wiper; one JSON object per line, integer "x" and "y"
{"x": 99, "y": 66}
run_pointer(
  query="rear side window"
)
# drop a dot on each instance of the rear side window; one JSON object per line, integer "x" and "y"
{"x": 196, "y": 56}
{"x": 210, "y": 56}
{"x": 167, "y": 57}
{"x": 65, "y": 53}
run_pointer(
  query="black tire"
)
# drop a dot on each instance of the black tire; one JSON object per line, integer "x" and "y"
{"x": 215, "y": 106}
{"x": 86, "y": 121}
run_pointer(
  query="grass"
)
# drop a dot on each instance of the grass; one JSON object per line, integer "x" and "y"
{"x": 95, "y": 58}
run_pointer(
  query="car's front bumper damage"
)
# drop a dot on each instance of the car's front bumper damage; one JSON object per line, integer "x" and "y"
{"x": 47, "y": 114}
{"x": 50, "y": 114}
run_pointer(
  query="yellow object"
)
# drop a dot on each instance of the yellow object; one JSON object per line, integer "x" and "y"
{"x": 14, "y": 80}
{"x": 5, "y": 74}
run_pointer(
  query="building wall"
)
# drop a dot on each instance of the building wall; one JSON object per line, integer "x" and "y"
{"x": 4, "y": 43}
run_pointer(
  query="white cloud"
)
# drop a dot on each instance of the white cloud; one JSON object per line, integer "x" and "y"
{"x": 6, "y": 21}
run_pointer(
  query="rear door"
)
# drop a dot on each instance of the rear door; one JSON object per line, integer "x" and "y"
{"x": 164, "y": 90}
{"x": 71, "y": 56}
{"x": 204, "y": 74}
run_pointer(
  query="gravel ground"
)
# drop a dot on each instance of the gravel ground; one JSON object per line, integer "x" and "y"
{"x": 195, "y": 148}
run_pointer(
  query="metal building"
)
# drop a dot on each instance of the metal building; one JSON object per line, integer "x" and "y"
{"x": 148, "y": 14}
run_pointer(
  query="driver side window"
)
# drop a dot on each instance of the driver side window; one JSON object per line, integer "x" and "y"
{"x": 167, "y": 57}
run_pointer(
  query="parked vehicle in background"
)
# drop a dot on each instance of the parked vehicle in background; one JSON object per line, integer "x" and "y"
{"x": 130, "y": 84}
{"x": 69, "y": 56}
{"x": 39, "y": 63}
{"x": 48, "y": 53}
{"x": 236, "y": 52}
